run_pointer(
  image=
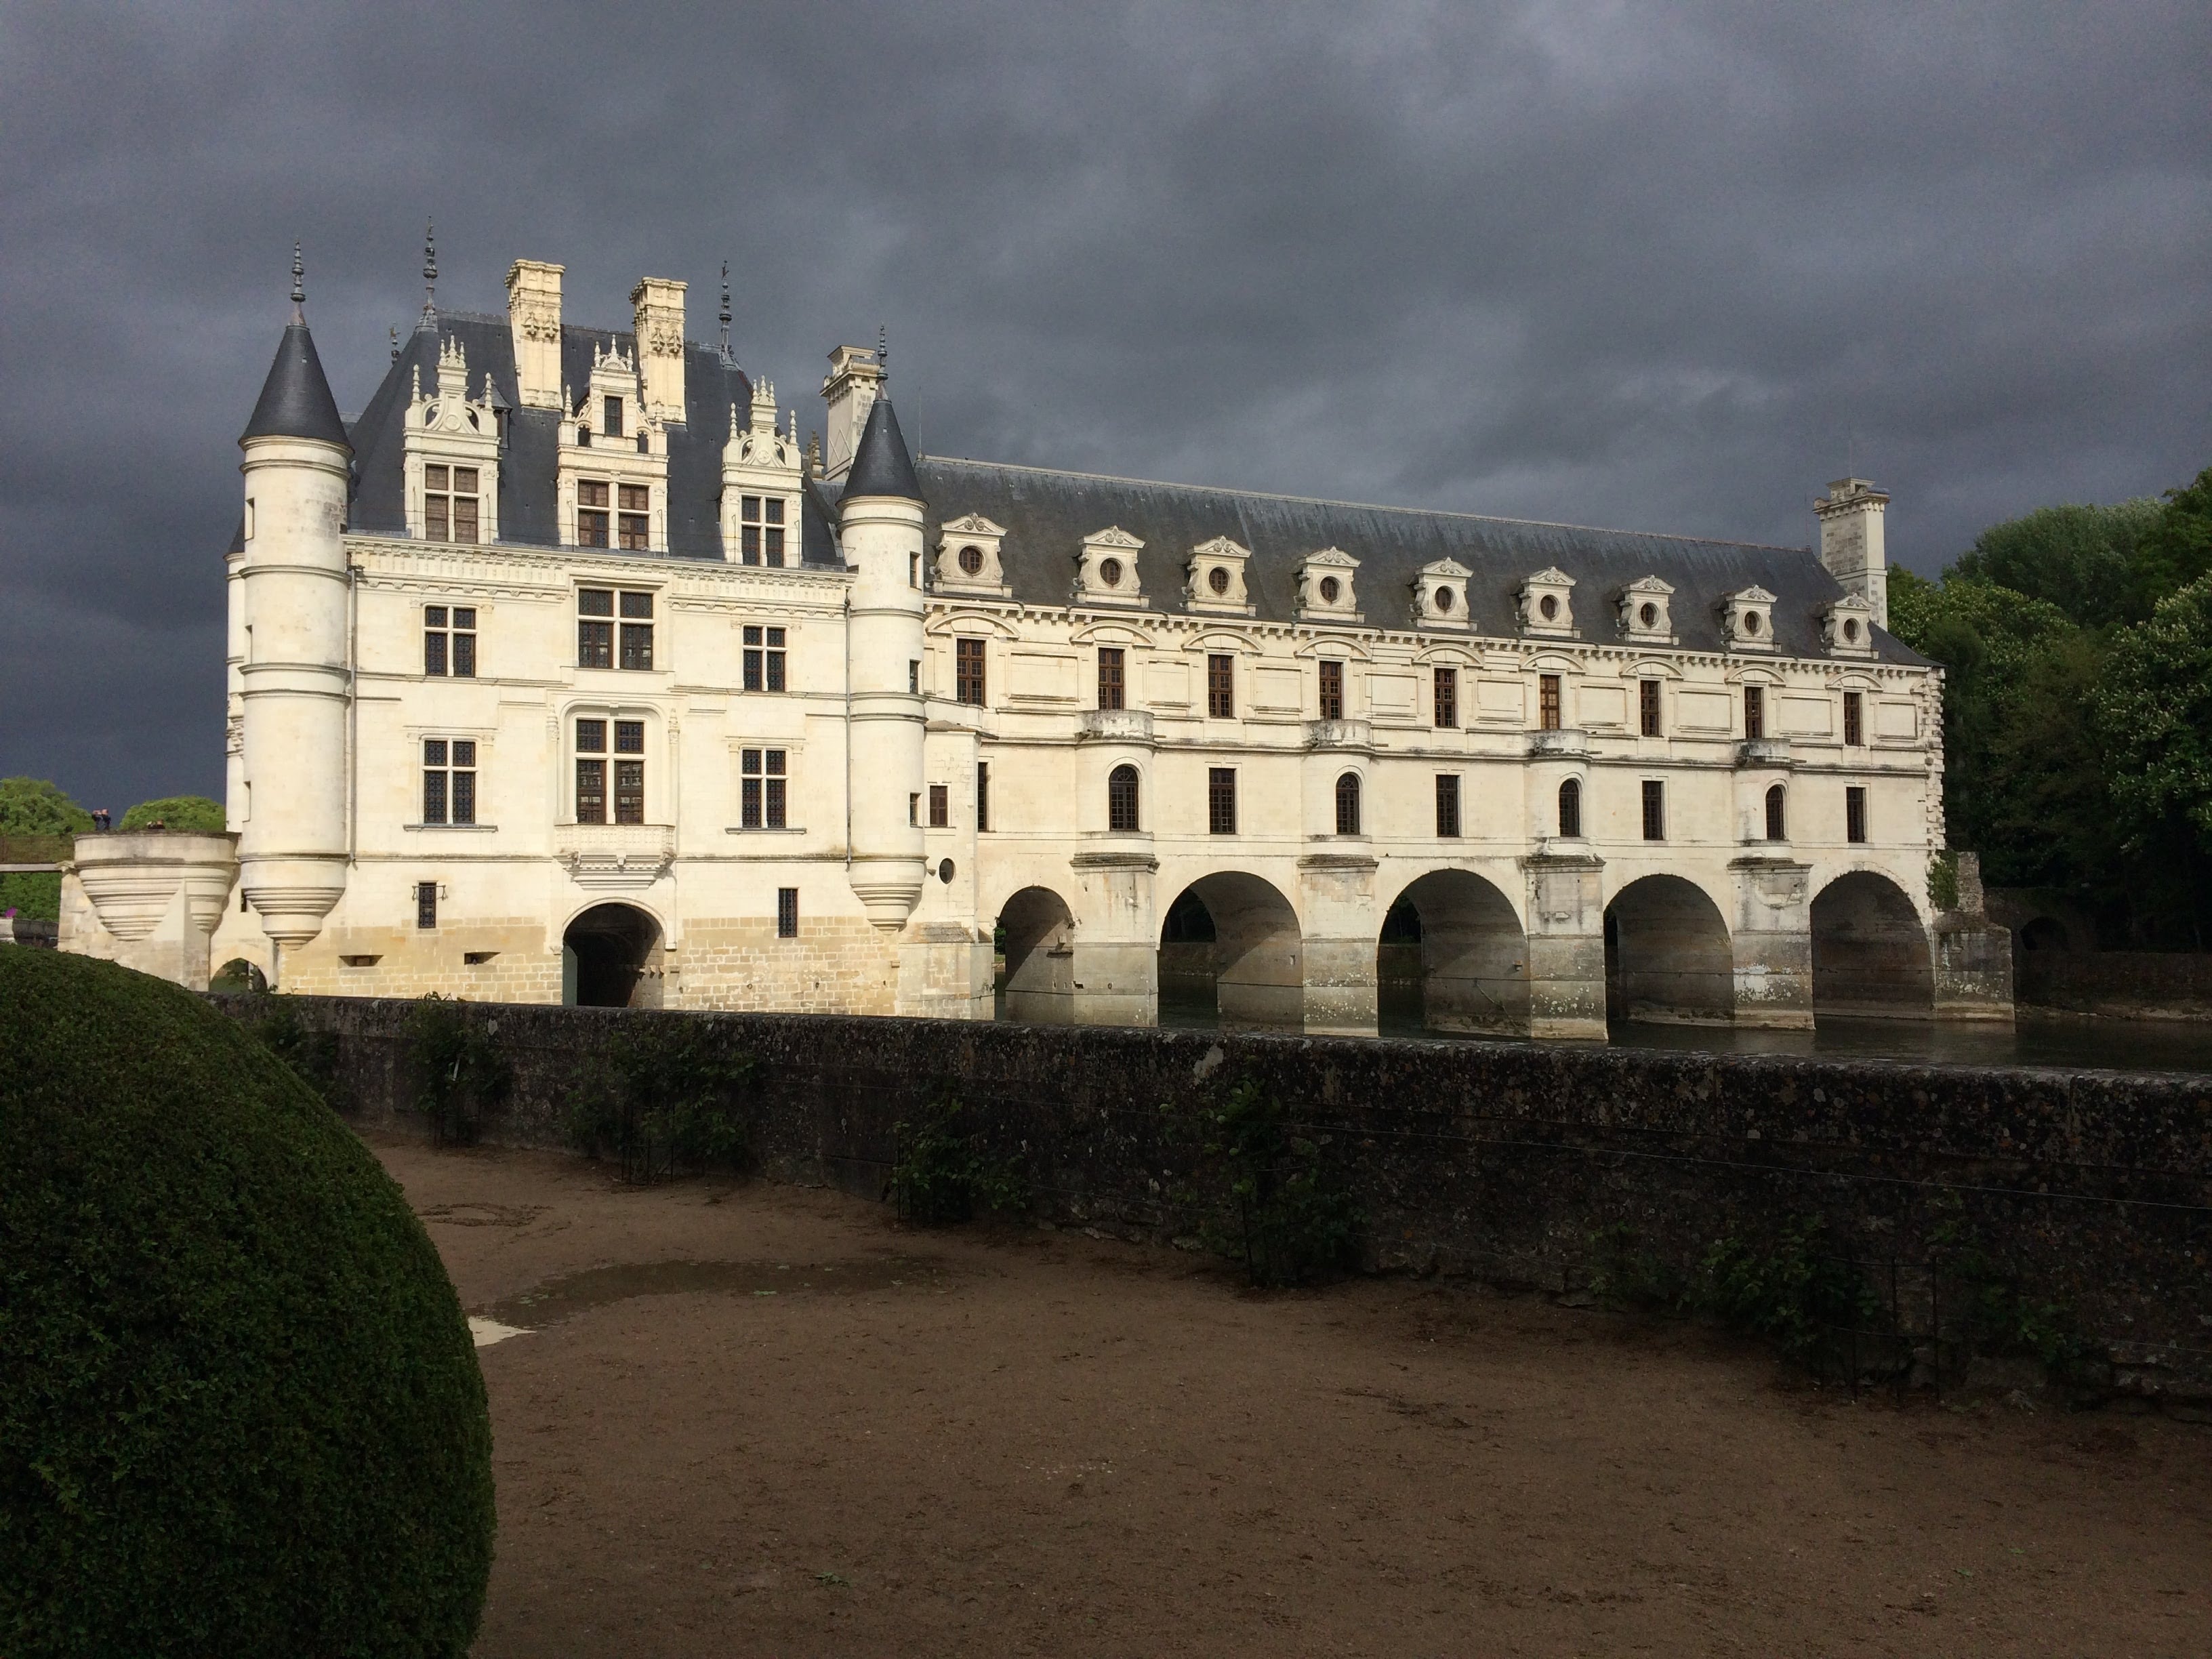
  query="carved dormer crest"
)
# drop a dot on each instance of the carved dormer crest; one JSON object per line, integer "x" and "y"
{"x": 1106, "y": 568}
{"x": 1326, "y": 592}
{"x": 1548, "y": 605}
{"x": 1747, "y": 619}
{"x": 450, "y": 470}
{"x": 612, "y": 484}
{"x": 1440, "y": 597}
{"x": 968, "y": 558}
{"x": 1644, "y": 615}
{"x": 761, "y": 472}
{"x": 1215, "y": 579}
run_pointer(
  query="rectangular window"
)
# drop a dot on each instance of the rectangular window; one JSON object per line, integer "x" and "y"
{"x": 1547, "y": 702}
{"x": 637, "y": 631}
{"x": 1447, "y": 804}
{"x": 591, "y": 771}
{"x": 1854, "y": 731}
{"x": 762, "y": 788}
{"x": 763, "y": 664}
{"x": 426, "y": 904}
{"x": 611, "y": 420}
{"x": 1221, "y": 688}
{"x": 968, "y": 679}
{"x": 1110, "y": 694}
{"x": 449, "y": 641}
{"x": 591, "y": 513}
{"x": 1221, "y": 800}
{"x": 595, "y": 640}
{"x": 1446, "y": 695}
{"x": 982, "y": 795}
{"x": 1855, "y": 822}
{"x": 786, "y": 912}
{"x": 1654, "y": 809}
{"x": 913, "y": 810}
{"x": 636, "y": 518}
{"x": 451, "y": 498}
{"x": 629, "y": 791}
{"x": 760, "y": 530}
{"x": 914, "y": 678}
{"x": 449, "y": 780}
{"x": 1647, "y": 699}
{"x": 1754, "y": 711}
{"x": 940, "y": 806}
{"x": 1332, "y": 691}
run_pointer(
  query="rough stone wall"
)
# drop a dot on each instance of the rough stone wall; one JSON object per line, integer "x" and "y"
{"x": 1503, "y": 1161}
{"x": 2121, "y": 984}
{"x": 836, "y": 963}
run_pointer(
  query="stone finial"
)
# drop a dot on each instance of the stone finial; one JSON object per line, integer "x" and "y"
{"x": 299, "y": 275}
{"x": 429, "y": 274}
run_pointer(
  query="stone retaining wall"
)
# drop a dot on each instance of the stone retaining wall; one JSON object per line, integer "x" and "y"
{"x": 1506, "y": 1161}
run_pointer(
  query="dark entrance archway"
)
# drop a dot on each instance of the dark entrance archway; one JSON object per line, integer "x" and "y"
{"x": 1870, "y": 955}
{"x": 610, "y": 957}
{"x": 1229, "y": 954}
{"x": 1668, "y": 955}
{"x": 1452, "y": 957}
{"x": 1036, "y": 976}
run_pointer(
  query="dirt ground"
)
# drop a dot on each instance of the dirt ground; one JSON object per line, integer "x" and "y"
{"x": 749, "y": 1419}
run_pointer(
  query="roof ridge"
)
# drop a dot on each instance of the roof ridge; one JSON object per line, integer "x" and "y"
{"x": 1364, "y": 507}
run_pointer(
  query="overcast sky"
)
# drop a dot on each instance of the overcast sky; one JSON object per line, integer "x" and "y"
{"x": 1662, "y": 267}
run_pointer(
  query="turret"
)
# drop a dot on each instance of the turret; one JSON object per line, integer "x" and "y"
{"x": 880, "y": 523}
{"x": 1851, "y": 545}
{"x": 293, "y": 660}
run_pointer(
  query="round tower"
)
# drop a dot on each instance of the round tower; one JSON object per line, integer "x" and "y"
{"x": 293, "y": 669}
{"x": 880, "y": 522}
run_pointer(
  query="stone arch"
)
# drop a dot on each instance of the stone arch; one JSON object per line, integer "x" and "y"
{"x": 1453, "y": 956}
{"x": 238, "y": 975}
{"x": 612, "y": 956}
{"x": 1231, "y": 940}
{"x": 1668, "y": 955}
{"x": 1036, "y": 935}
{"x": 1870, "y": 952}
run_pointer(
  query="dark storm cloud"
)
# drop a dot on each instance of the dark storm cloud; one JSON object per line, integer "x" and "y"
{"x": 1663, "y": 268}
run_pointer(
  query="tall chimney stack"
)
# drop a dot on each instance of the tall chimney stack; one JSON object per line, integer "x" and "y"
{"x": 1852, "y": 545}
{"x": 657, "y": 303}
{"x": 854, "y": 380}
{"x": 533, "y": 319}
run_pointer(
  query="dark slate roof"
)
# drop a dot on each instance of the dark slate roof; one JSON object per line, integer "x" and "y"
{"x": 295, "y": 398}
{"x": 881, "y": 465}
{"x": 528, "y": 467}
{"x": 1048, "y": 514}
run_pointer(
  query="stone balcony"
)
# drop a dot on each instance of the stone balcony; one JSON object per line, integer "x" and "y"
{"x": 616, "y": 856}
{"x": 1764, "y": 752}
{"x": 1340, "y": 734}
{"x": 1115, "y": 726}
{"x": 1562, "y": 741}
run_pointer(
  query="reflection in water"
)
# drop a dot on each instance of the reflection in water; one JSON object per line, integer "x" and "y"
{"x": 2139, "y": 1046}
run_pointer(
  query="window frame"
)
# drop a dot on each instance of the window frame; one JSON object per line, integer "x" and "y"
{"x": 764, "y": 789}
{"x": 982, "y": 797}
{"x": 1648, "y": 709}
{"x": 1550, "y": 702}
{"x": 1854, "y": 720}
{"x": 1654, "y": 809}
{"x": 970, "y": 683}
{"x": 761, "y": 527}
{"x": 1443, "y": 697}
{"x": 442, "y": 503}
{"x": 1568, "y": 806}
{"x": 1754, "y": 714}
{"x": 786, "y": 912}
{"x": 765, "y": 648}
{"x": 1221, "y": 800}
{"x": 1778, "y": 812}
{"x": 449, "y": 645}
{"x": 1329, "y": 687}
{"x": 595, "y": 522}
{"x": 448, "y": 795}
{"x": 1112, "y": 678}
{"x": 1347, "y": 804}
{"x": 1856, "y": 828}
{"x": 1221, "y": 685}
{"x": 940, "y": 806}
{"x": 1124, "y": 801}
{"x": 1448, "y": 806}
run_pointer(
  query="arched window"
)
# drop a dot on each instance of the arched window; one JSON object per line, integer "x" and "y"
{"x": 1570, "y": 808}
{"x": 1122, "y": 799}
{"x": 1777, "y": 823}
{"x": 1347, "y": 805}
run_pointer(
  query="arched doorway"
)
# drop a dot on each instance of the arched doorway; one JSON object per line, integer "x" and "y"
{"x": 610, "y": 957}
{"x": 1870, "y": 955}
{"x": 1666, "y": 955}
{"x": 1452, "y": 957}
{"x": 1229, "y": 954}
{"x": 1036, "y": 968}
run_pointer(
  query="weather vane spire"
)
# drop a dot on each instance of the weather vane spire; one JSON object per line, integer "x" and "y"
{"x": 725, "y": 310}
{"x": 883, "y": 350}
{"x": 429, "y": 273}
{"x": 299, "y": 275}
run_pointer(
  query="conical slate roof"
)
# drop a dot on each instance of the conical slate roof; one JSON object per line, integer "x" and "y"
{"x": 881, "y": 466}
{"x": 295, "y": 398}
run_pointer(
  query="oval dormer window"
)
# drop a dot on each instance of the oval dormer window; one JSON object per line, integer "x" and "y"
{"x": 1329, "y": 590}
{"x": 1850, "y": 630}
{"x": 1548, "y": 607}
{"x": 1110, "y": 573}
{"x": 1443, "y": 601}
{"x": 971, "y": 561}
{"x": 1648, "y": 614}
{"x": 1217, "y": 578}
{"x": 1750, "y": 621}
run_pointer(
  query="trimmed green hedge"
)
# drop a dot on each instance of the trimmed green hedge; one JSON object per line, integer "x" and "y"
{"x": 240, "y": 1410}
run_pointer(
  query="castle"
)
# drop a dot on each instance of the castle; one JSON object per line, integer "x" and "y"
{"x": 563, "y": 673}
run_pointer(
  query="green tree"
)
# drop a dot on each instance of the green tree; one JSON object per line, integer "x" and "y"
{"x": 2084, "y": 560}
{"x": 33, "y": 806}
{"x": 2154, "y": 716}
{"x": 2177, "y": 550}
{"x": 195, "y": 814}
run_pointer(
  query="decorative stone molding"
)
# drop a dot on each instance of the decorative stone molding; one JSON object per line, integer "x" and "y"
{"x": 1747, "y": 619}
{"x": 1106, "y": 569}
{"x": 1216, "y": 586}
{"x": 616, "y": 857}
{"x": 1115, "y": 726}
{"x": 1548, "y": 609}
{"x": 1353, "y": 735}
{"x": 761, "y": 479}
{"x": 1440, "y": 596}
{"x": 968, "y": 558}
{"x": 1644, "y": 615}
{"x": 1325, "y": 588}
{"x": 1564, "y": 740}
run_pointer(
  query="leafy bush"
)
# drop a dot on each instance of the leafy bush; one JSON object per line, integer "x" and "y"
{"x": 664, "y": 1103}
{"x": 34, "y": 807}
{"x": 1267, "y": 1195}
{"x": 460, "y": 1073}
{"x": 186, "y": 814}
{"x": 1626, "y": 1273}
{"x": 240, "y": 1410}
{"x": 1793, "y": 1290}
{"x": 1943, "y": 881}
{"x": 1986, "y": 1312}
{"x": 942, "y": 1175}
{"x": 312, "y": 1055}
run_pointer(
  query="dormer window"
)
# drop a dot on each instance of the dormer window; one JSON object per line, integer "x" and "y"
{"x": 1547, "y": 605}
{"x": 636, "y": 506}
{"x": 1847, "y": 627}
{"x": 1216, "y": 580}
{"x": 760, "y": 530}
{"x": 971, "y": 559}
{"x": 591, "y": 511}
{"x": 1440, "y": 596}
{"x": 1107, "y": 569}
{"x": 1110, "y": 573}
{"x": 1644, "y": 612}
{"x": 1747, "y": 619}
{"x": 610, "y": 416}
{"x": 450, "y": 497}
{"x": 1326, "y": 587}
{"x": 967, "y": 556}
{"x": 1216, "y": 584}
